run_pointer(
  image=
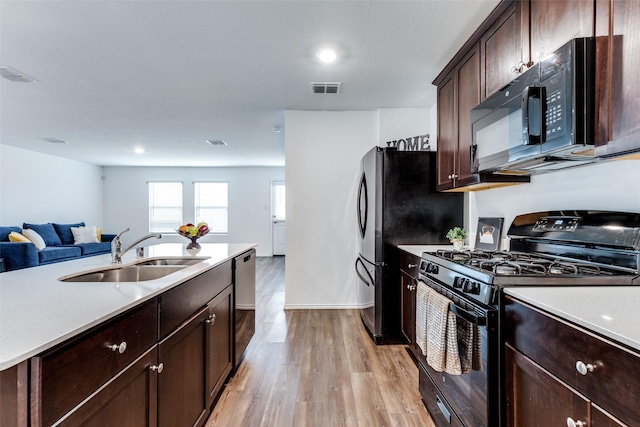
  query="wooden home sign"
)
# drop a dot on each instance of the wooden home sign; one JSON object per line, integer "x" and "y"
{"x": 414, "y": 143}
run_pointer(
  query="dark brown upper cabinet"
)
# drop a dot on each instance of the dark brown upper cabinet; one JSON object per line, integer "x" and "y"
{"x": 618, "y": 78}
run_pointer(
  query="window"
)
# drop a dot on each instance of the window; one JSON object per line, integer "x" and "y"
{"x": 212, "y": 205}
{"x": 279, "y": 206}
{"x": 165, "y": 206}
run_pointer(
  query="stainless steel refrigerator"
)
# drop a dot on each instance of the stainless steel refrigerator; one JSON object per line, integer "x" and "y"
{"x": 397, "y": 205}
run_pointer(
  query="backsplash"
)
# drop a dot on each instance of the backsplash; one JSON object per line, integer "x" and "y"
{"x": 611, "y": 185}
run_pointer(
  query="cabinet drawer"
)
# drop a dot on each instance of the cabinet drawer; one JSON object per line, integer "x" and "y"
{"x": 557, "y": 346}
{"x": 63, "y": 377}
{"x": 409, "y": 263}
{"x": 179, "y": 303}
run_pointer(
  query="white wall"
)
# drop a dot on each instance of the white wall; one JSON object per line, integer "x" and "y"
{"x": 40, "y": 188}
{"x": 125, "y": 189}
{"x": 612, "y": 185}
{"x": 323, "y": 152}
{"x": 404, "y": 123}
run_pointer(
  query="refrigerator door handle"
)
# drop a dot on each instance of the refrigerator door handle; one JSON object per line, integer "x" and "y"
{"x": 368, "y": 281}
{"x": 363, "y": 205}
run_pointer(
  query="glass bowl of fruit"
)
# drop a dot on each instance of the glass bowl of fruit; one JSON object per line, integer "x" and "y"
{"x": 193, "y": 233}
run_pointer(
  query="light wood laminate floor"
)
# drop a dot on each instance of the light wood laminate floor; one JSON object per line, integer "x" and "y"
{"x": 316, "y": 368}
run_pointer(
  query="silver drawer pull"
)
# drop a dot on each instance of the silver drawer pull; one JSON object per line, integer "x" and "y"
{"x": 159, "y": 368}
{"x": 572, "y": 423}
{"x": 211, "y": 319}
{"x": 583, "y": 368}
{"x": 412, "y": 265}
{"x": 411, "y": 287}
{"x": 120, "y": 348}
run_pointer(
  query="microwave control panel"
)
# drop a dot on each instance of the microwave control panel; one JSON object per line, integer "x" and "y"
{"x": 557, "y": 108}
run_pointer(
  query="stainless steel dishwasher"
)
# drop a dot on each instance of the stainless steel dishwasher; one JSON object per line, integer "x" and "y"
{"x": 244, "y": 278}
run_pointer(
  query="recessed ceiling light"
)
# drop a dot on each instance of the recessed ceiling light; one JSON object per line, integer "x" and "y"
{"x": 326, "y": 55}
{"x": 138, "y": 150}
{"x": 277, "y": 128}
{"x": 216, "y": 142}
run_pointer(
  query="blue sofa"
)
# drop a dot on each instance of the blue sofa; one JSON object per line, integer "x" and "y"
{"x": 59, "y": 246}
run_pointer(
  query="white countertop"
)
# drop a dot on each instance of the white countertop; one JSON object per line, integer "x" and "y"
{"x": 38, "y": 312}
{"x": 611, "y": 311}
{"x": 418, "y": 249}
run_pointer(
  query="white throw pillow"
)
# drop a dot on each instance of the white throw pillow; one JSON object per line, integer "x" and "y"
{"x": 35, "y": 238}
{"x": 84, "y": 235}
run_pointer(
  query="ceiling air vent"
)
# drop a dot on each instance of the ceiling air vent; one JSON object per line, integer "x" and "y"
{"x": 325, "y": 87}
{"x": 15, "y": 75}
{"x": 216, "y": 142}
{"x": 54, "y": 140}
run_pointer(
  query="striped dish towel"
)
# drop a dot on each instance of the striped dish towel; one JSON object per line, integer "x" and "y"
{"x": 442, "y": 342}
{"x": 422, "y": 297}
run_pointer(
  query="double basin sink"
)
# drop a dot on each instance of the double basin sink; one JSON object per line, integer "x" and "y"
{"x": 147, "y": 269}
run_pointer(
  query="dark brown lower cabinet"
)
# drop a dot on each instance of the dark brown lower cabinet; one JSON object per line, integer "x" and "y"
{"x": 128, "y": 399}
{"x": 196, "y": 359}
{"x": 557, "y": 372}
{"x": 219, "y": 342}
{"x": 182, "y": 397}
{"x": 537, "y": 398}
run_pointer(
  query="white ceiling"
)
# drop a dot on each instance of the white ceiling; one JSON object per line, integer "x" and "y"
{"x": 168, "y": 75}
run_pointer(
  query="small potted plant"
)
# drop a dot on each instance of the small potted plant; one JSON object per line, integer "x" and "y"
{"x": 457, "y": 237}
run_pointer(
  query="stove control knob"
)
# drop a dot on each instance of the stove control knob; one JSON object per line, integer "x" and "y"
{"x": 471, "y": 287}
{"x": 457, "y": 282}
{"x": 432, "y": 268}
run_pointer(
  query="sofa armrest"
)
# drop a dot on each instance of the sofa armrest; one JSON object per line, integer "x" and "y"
{"x": 18, "y": 255}
{"x": 108, "y": 237}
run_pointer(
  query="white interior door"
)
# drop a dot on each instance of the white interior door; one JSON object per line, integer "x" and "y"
{"x": 278, "y": 208}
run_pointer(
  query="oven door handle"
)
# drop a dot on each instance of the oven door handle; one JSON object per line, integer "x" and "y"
{"x": 467, "y": 315}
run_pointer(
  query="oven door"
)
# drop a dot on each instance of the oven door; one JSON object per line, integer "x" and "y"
{"x": 473, "y": 397}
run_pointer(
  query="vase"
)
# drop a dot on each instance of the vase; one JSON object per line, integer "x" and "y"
{"x": 194, "y": 243}
{"x": 458, "y": 244}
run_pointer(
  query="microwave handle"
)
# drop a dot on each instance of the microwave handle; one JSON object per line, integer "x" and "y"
{"x": 533, "y": 119}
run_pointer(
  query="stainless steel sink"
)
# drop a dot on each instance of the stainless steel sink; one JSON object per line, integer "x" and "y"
{"x": 171, "y": 261}
{"x": 132, "y": 273}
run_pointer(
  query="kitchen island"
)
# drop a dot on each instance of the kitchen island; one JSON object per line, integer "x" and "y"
{"x": 44, "y": 320}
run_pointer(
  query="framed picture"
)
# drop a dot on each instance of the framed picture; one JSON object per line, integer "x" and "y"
{"x": 488, "y": 234}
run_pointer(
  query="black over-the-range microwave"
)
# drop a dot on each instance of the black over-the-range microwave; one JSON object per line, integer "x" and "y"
{"x": 541, "y": 121}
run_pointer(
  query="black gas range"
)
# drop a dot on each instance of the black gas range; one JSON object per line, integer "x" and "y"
{"x": 555, "y": 248}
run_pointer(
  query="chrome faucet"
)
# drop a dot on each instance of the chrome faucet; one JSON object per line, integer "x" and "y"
{"x": 116, "y": 245}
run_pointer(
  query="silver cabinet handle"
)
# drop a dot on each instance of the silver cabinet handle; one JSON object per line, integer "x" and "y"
{"x": 120, "y": 348}
{"x": 158, "y": 369}
{"x": 412, "y": 265}
{"x": 572, "y": 423}
{"x": 211, "y": 319}
{"x": 583, "y": 368}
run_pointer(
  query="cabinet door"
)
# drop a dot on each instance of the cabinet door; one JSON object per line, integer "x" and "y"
{"x": 219, "y": 325}
{"x": 129, "y": 399}
{"x": 502, "y": 51}
{"x": 618, "y": 74}
{"x": 408, "y": 320}
{"x": 599, "y": 418}
{"x": 182, "y": 395}
{"x": 536, "y": 398}
{"x": 447, "y": 133}
{"x": 555, "y": 22}
{"x": 468, "y": 96}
